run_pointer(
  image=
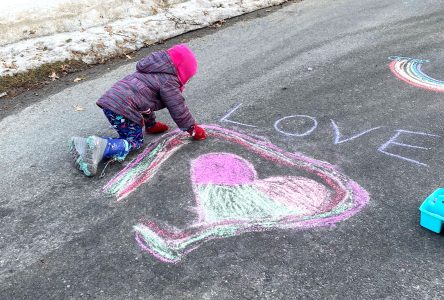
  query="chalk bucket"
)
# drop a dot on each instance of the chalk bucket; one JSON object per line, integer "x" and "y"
{"x": 432, "y": 211}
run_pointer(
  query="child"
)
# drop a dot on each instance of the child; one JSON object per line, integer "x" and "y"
{"x": 131, "y": 102}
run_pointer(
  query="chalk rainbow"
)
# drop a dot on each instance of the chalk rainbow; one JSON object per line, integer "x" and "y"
{"x": 410, "y": 71}
{"x": 231, "y": 198}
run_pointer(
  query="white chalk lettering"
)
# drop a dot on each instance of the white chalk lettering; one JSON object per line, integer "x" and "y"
{"x": 315, "y": 124}
{"x": 225, "y": 118}
{"x": 337, "y": 138}
{"x": 385, "y": 148}
{"x": 392, "y": 141}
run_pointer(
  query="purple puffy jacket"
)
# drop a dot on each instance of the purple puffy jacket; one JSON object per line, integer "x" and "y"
{"x": 154, "y": 86}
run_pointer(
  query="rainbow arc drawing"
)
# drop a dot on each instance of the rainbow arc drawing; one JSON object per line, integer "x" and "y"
{"x": 410, "y": 71}
{"x": 231, "y": 198}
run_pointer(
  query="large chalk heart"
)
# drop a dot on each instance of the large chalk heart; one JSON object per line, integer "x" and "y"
{"x": 232, "y": 199}
{"x": 227, "y": 188}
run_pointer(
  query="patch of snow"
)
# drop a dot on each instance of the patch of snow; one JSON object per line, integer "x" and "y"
{"x": 98, "y": 43}
{"x": 23, "y": 19}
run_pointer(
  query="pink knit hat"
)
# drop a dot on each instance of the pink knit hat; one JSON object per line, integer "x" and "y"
{"x": 184, "y": 61}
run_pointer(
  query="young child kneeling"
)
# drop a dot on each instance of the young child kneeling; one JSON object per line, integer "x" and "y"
{"x": 131, "y": 102}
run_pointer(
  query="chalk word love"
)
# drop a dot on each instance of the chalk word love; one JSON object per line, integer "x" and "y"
{"x": 338, "y": 138}
{"x": 410, "y": 71}
{"x": 231, "y": 198}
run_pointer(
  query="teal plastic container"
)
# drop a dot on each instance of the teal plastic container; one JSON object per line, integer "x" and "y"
{"x": 432, "y": 211}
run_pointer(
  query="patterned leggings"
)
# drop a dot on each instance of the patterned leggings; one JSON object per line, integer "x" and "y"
{"x": 126, "y": 129}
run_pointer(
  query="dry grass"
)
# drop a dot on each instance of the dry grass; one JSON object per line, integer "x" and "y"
{"x": 34, "y": 78}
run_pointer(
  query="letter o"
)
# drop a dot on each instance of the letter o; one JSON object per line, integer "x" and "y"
{"x": 315, "y": 124}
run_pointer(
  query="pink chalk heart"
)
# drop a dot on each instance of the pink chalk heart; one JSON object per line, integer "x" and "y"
{"x": 231, "y": 199}
{"x": 303, "y": 194}
{"x": 222, "y": 168}
{"x": 227, "y": 188}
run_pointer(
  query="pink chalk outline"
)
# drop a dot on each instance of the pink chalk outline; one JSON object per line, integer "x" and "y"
{"x": 347, "y": 197}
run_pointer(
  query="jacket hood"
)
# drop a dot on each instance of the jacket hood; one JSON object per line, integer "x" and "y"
{"x": 184, "y": 61}
{"x": 157, "y": 62}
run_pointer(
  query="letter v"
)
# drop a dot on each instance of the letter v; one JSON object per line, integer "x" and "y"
{"x": 338, "y": 140}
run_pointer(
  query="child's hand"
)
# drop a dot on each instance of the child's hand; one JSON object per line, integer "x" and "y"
{"x": 197, "y": 132}
{"x": 158, "y": 127}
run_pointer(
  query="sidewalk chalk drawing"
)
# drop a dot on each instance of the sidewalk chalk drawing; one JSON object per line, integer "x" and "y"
{"x": 231, "y": 198}
{"x": 410, "y": 71}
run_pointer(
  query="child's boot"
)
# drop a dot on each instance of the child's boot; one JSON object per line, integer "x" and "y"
{"x": 100, "y": 148}
{"x": 77, "y": 148}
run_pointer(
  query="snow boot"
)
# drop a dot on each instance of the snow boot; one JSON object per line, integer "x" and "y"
{"x": 92, "y": 150}
{"x": 77, "y": 148}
